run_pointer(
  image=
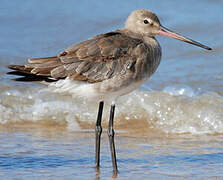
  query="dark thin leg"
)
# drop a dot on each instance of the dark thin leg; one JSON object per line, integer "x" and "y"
{"x": 111, "y": 134}
{"x": 98, "y": 131}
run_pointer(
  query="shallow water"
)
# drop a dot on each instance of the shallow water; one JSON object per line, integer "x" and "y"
{"x": 169, "y": 129}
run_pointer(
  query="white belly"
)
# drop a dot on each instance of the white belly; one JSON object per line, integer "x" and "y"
{"x": 91, "y": 90}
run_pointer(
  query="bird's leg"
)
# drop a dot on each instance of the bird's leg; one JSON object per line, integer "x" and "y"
{"x": 111, "y": 134}
{"x": 98, "y": 131}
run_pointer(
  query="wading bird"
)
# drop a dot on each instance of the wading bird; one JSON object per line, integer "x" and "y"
{"x": 107, "y": 65}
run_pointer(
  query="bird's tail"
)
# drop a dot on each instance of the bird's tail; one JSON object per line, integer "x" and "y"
{"x": 36, "y": 69}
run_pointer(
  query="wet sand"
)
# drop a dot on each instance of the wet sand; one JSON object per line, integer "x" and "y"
{"x": 49, "y": 151}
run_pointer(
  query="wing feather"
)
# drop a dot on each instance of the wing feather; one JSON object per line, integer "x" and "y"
{"x": 93, "y": 60}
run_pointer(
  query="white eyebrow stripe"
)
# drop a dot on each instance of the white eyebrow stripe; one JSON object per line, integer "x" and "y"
{"x": 149, "y": 20}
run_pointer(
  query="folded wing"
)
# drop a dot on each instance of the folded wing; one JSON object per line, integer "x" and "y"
{"x": 93, "y": 60}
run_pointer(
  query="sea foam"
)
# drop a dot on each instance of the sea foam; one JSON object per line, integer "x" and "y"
{"x": 176, "y": 109}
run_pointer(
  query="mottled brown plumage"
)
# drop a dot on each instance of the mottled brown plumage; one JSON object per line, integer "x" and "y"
{"x": 94, "y": 60}
{"x": 132, "y": 50}
{"x": 108, "y": 65}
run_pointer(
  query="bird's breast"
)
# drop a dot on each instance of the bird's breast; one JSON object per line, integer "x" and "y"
{"x": 149, "y": 56}
{"x": 138, "y": 67}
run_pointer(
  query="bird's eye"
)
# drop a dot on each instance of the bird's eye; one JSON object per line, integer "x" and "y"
{"x": 146, "y": 21}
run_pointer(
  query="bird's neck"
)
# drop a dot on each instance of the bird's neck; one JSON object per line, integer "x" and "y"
{"x": 147, "y": 39}
{"x": 151, "y": 41}
{"x": 130, "y": 33}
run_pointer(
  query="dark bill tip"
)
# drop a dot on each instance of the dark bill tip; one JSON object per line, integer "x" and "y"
{"x": 208, "y": 48}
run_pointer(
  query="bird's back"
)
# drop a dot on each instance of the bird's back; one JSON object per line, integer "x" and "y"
{"x": 112, "y": 61}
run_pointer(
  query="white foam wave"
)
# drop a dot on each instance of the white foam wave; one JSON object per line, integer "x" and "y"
{"x": 174, "y": 110}
{"x": 179, "y": 90}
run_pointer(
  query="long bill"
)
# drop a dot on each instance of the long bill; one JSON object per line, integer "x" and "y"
{"x": 166, "y": 32}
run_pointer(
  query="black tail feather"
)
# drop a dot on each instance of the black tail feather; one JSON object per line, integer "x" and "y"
{"x": 30, "y": 77}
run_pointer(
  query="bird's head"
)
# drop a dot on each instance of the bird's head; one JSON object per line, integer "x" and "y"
{"x": 146, "y": 23}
